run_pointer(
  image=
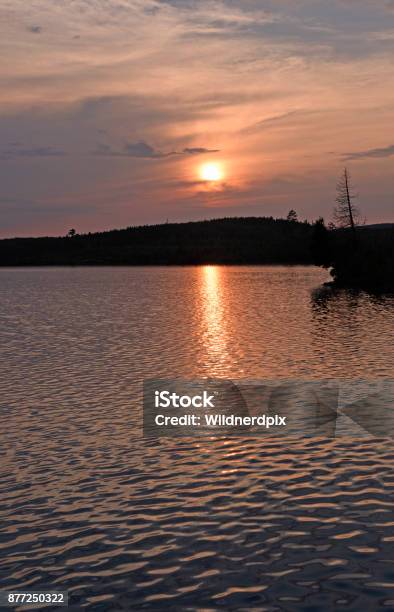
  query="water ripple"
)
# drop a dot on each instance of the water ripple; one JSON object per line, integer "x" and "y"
{"x": 126, "y": 523}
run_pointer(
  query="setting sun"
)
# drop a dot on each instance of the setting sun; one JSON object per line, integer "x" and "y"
{"x": 211, "y": 172}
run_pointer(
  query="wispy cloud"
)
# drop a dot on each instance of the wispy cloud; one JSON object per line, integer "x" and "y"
{"x": 273, "y": 84}
{"x": 133, "y": 149}
{"x": 18, "y": 151}
{"x": 376, "y": 153}
{"x": 199, "y": 151}
{"x": 143, "y": 150}
{"x": 289, "y": 117}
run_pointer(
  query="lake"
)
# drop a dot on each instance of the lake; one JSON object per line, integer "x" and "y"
{"x": 124, "y": 522}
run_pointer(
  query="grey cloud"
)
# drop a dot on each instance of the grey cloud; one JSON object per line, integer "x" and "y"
{"x": 337, "y": 28}
{"x": 133, "y": 149}
{"x": 143, "y": 150}
{"x": 16, "y": 152}
{"x": 374, "y": 153}
{"x": 199, "y": 150}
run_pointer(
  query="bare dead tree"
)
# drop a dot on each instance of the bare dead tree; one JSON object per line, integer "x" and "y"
{"x": 346, "y": 212}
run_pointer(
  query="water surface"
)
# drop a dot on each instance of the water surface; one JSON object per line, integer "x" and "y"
{"x": 124, "y": 522}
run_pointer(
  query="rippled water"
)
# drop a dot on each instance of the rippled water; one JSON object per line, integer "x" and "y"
{"x": 129, "y": 523}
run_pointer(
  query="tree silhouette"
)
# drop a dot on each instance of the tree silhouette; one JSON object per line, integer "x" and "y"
{"x": 292, "y": 215}
{"x": 346, "y": 213}
{"x": 71, "y": 233}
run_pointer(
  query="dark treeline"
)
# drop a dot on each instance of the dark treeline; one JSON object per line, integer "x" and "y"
{"x": 361, "y": 259}
{"x": 248, "y": 240}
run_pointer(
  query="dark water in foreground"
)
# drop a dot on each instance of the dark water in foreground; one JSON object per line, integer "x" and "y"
{"x": 129, "y": 523}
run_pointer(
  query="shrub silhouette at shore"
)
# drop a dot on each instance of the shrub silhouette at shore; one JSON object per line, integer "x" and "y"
{"x": 366, "y": 262}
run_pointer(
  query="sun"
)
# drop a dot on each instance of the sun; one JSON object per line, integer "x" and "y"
{"x": 211, "y": 172}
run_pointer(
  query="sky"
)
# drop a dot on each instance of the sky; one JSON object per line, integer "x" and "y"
{"x": 109, "y": 109}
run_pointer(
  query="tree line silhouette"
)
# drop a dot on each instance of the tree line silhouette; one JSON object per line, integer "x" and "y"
{"x": 242, "y": 240}
{"x": 357, "y": 255}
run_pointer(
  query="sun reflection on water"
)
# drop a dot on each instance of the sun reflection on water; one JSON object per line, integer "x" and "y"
{"x": 213, "y": 319}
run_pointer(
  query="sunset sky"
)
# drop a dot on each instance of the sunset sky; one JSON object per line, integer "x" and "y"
{"x": 111, "y": 108}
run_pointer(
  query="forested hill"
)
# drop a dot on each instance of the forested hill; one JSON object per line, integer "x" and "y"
{"x": 248, "y": 240}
